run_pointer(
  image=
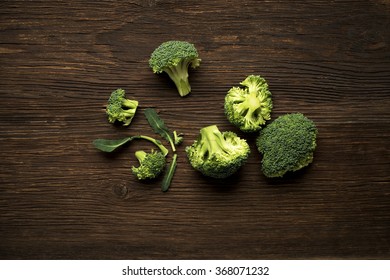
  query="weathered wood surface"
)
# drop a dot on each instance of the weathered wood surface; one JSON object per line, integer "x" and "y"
{"x": 60, "y": 198}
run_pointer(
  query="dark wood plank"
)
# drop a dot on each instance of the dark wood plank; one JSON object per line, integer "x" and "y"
{"x": 60, "y": 198}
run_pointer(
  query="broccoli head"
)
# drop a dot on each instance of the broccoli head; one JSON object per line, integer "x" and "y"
{"x": 151, "y": 164}
{"x": 174, "y": 58}
{"x": 120, "y": 109}
{"x": 249, "y": 107}
{"x": 217, "y": 154}
{"x": 287, "y": 144}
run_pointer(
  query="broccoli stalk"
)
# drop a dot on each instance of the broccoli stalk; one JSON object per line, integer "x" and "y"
{"x": 151, "y": 164}
{"x": 179, "y": 75}
{"x": 169, "y": 174}
{"x": 248, "y": 108}
{"x": 156, "y": 142}
{"x": 174, "y": 58}
{"x": 217, "y": 154}
{"x": 121, "y": 109}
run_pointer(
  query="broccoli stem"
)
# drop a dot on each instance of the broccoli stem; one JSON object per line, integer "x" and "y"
{"x": 252, "y": 103}
{"x": 140, "y": 155}
{"x": 211, "y": 135}
{"x": 169, "y": 175}
{"x": 131, "y": 104}
{"x": 179, "y": 75}
{"x": 155, "y": 142}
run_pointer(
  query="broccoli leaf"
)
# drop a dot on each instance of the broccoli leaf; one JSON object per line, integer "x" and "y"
{"x": 108, "y": 146}
{"x": 159, "y": 126}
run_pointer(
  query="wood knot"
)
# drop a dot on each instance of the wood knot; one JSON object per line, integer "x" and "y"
{"x": 120, "y": 191}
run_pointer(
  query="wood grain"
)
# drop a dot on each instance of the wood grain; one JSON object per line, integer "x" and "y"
{"x": 62, "y": 199}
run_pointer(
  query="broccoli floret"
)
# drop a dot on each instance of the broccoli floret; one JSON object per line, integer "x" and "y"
{"x": 287, "y": 144}
{"x": 174, "y": 58}
{"x": 249, "y": 107}
{"x": 217, "y": 154}
{"x": 120, "y": 109}
{"x": 151, "y": 164}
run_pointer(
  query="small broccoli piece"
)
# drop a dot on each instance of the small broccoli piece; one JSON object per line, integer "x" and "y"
{"x": 217, "y": 154}
{"x": 249, "y": 107}
{"x": 174, "y": 58}
{"x": 287, "y": 144}
{"x": 120, "y": 109}
{"x": 151, "y": 164}
{"x": 177, "y": 138}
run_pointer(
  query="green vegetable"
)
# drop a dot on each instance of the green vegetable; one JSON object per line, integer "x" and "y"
{"x": 249, "y": 107}
{"x": 287, "y": 144}
{"x": 177, "y": 138}
{"x": 217, "y": 154}
{"x": 174, "y": 58}
{"x": 106, "y": 145}
{"x": 151, "y": 164}
{"x": 174, "y": 139}
{"x": 120, "y": 109}
{"x": 159, "y": 127}
{"x": 169, "y": 174}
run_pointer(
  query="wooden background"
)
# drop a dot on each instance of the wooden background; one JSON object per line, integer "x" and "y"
{"x": 62, "y": 199}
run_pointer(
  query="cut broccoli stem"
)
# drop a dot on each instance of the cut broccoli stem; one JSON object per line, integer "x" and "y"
{"x": 179, "y": 75}
{"x": 140, "y": 155}
{"x": 212, "y": 142}
{"x": 128, "y": 103}
{"x": 252, "y": 103}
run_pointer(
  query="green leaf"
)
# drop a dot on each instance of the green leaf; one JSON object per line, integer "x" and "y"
{"x": 169, "y": 174}
{"x": 108, "y": 146}
{"x": 159, "y": 126}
